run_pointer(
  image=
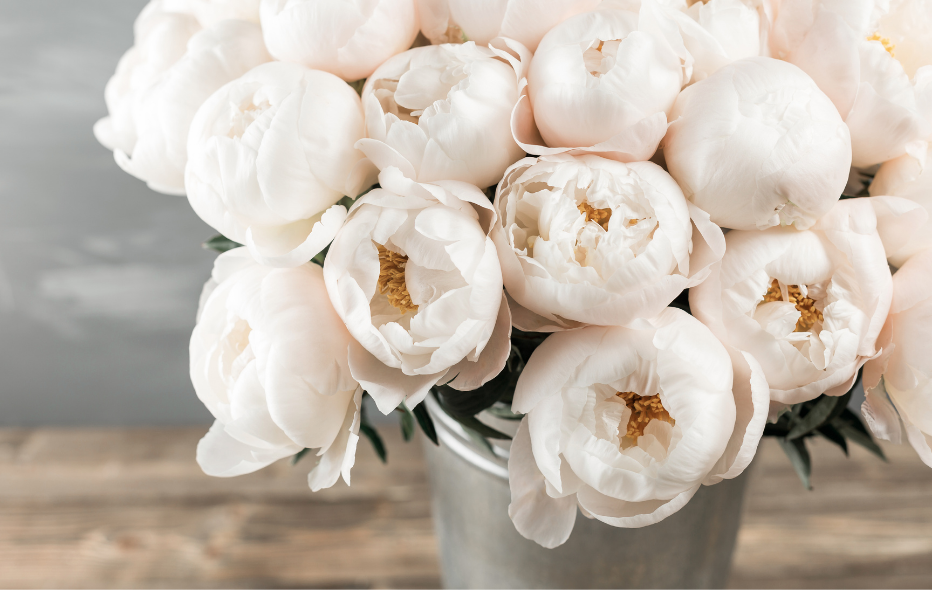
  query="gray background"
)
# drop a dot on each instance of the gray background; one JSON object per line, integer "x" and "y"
{"x": 99, "y": 276}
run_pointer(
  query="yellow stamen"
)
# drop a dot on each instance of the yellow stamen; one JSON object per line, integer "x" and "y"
{"x": 600, "y": 216}
{"x": 392, "y": 279}
{"x": 643, "y": 410}
{"x": 810, "y": 314}
{"x": 887, "y": 44}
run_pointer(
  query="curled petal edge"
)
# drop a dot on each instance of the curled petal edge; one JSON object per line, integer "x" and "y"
{"x": 637, "y": 143}
{"x": 322, "y": 233}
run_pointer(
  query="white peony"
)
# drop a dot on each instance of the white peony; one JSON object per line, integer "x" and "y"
{"x": 261, "y": 366}
{"x": 348, "y": 38}
{"x": 908, "y": 26}
{"x": 627, "y": 423}
{"x": 162, "y": 110}
{"x": 588, "y": 240}
{"x": 599, "y": 83}
{"x": 807, "y": 305}
{"x": 757, "y": 144}
{"x": 886, "y": 115}
{"x": 270, "y": 155}
{"x": 161, "y": 40}
{"x": 415, "y": 277}
{"x": 441, "y": 113}
{"x": 910, "y": 177}
{"x": 899, "y": 383}
{"x": 525, "y": 21}
{"x": 842, "y": 47}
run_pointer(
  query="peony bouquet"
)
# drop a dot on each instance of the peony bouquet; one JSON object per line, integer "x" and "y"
{"x": 646, "y": 233}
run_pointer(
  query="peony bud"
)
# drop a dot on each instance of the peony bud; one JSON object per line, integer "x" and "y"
{"x": 757, "y": 144}
{"x": 348, "y": 38}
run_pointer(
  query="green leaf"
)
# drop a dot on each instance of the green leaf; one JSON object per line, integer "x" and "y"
{"x": 799, "y": 457}
{"x": 831, "y": 433}
{"x": 357, "y": 85}
{"x": 299, "y": 455}
{"x": 426, "y": 423}
{"x": 781, "y": 427}
{"x": 376, "y": 440}
{"x": 372, "y": 434}
{"x": 818, "y": 414}
{"x": 220, "y": 243}
{"x": 321, "y": 256}
{"x": 407, "y": 422}
{"x": 480, "y": 440}
{"x": 471, "y": 422}
{"x": 843, "y": 402}
{"x": 776, "y": 430}
{"x": 347, "y": 202}
{"x": 504, "y": 412}
{"x": 851, "y": 427}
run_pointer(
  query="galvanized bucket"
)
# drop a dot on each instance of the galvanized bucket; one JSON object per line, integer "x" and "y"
{"x": 480, "y": 548}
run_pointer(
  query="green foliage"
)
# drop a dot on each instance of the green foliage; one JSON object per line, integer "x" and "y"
{"x": 463, "y": 406}
{"x": 357, "y": 85}
{"x": 220, "y": 243}
{"x": 298, "y": 456}
{"x": 426, "y": 423}
{"x": 367, "y": 430}
{"x": 407, "y": 422}
{"x": 799, "y": 457}
{"x": 825, "y": 416}
{"x": 321, "y": 256}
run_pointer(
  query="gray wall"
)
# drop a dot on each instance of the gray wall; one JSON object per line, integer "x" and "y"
{"x": 99, "y": 276}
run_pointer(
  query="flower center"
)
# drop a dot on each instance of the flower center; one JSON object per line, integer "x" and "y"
{"x": 600, "y": 216}
{"x": 810, "y": 314}
{"x": 600, "y": 56}
{"x": 391, "y": 281}
{"x": 453, "y": 34}
{"x": 643, "y": 409}
{"x": 242, "y": 118}
{"x": 887, "y": 44}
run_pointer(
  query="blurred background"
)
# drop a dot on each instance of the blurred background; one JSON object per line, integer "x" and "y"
{"x": 99, "y": 276}
{"x": 99, "y": 283}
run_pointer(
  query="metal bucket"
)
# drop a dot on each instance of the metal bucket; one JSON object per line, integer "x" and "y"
{"x": 480, "y": 548}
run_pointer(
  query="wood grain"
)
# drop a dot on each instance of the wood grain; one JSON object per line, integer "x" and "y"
{"x": 130, "y": 508}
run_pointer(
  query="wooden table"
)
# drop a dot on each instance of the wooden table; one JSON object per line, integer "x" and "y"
{"x": 130, "y": 508}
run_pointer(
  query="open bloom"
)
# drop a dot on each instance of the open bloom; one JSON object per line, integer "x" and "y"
{"x": 414, "y": 275}
{"x": 757, "y": 144}
{"x": 627, "y": 423}
{"x": 902, "y": 398}
{"x": 162, "y": 111}
{"x": 270, "y": 155}
{"x": 807, "y": 305}
{"x": 261, "y": 366}
{"x": 599, "y": 83}
{"x": 885, "y": 116}
{"x": 587, "y": 240}
{"x": 441, "y": 113}
{"x": 910, "y": 177}
{"x": 525, "y": 21}
{"x": 348, "y": 38}
{"x": 908, "y": 26}
{"x": 850, "y": 55}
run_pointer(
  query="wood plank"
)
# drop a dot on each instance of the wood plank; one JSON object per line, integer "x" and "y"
{"x": 130, "y": 508}
{"x": 866, "y": 524}
{"x": 121, "y": 508}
